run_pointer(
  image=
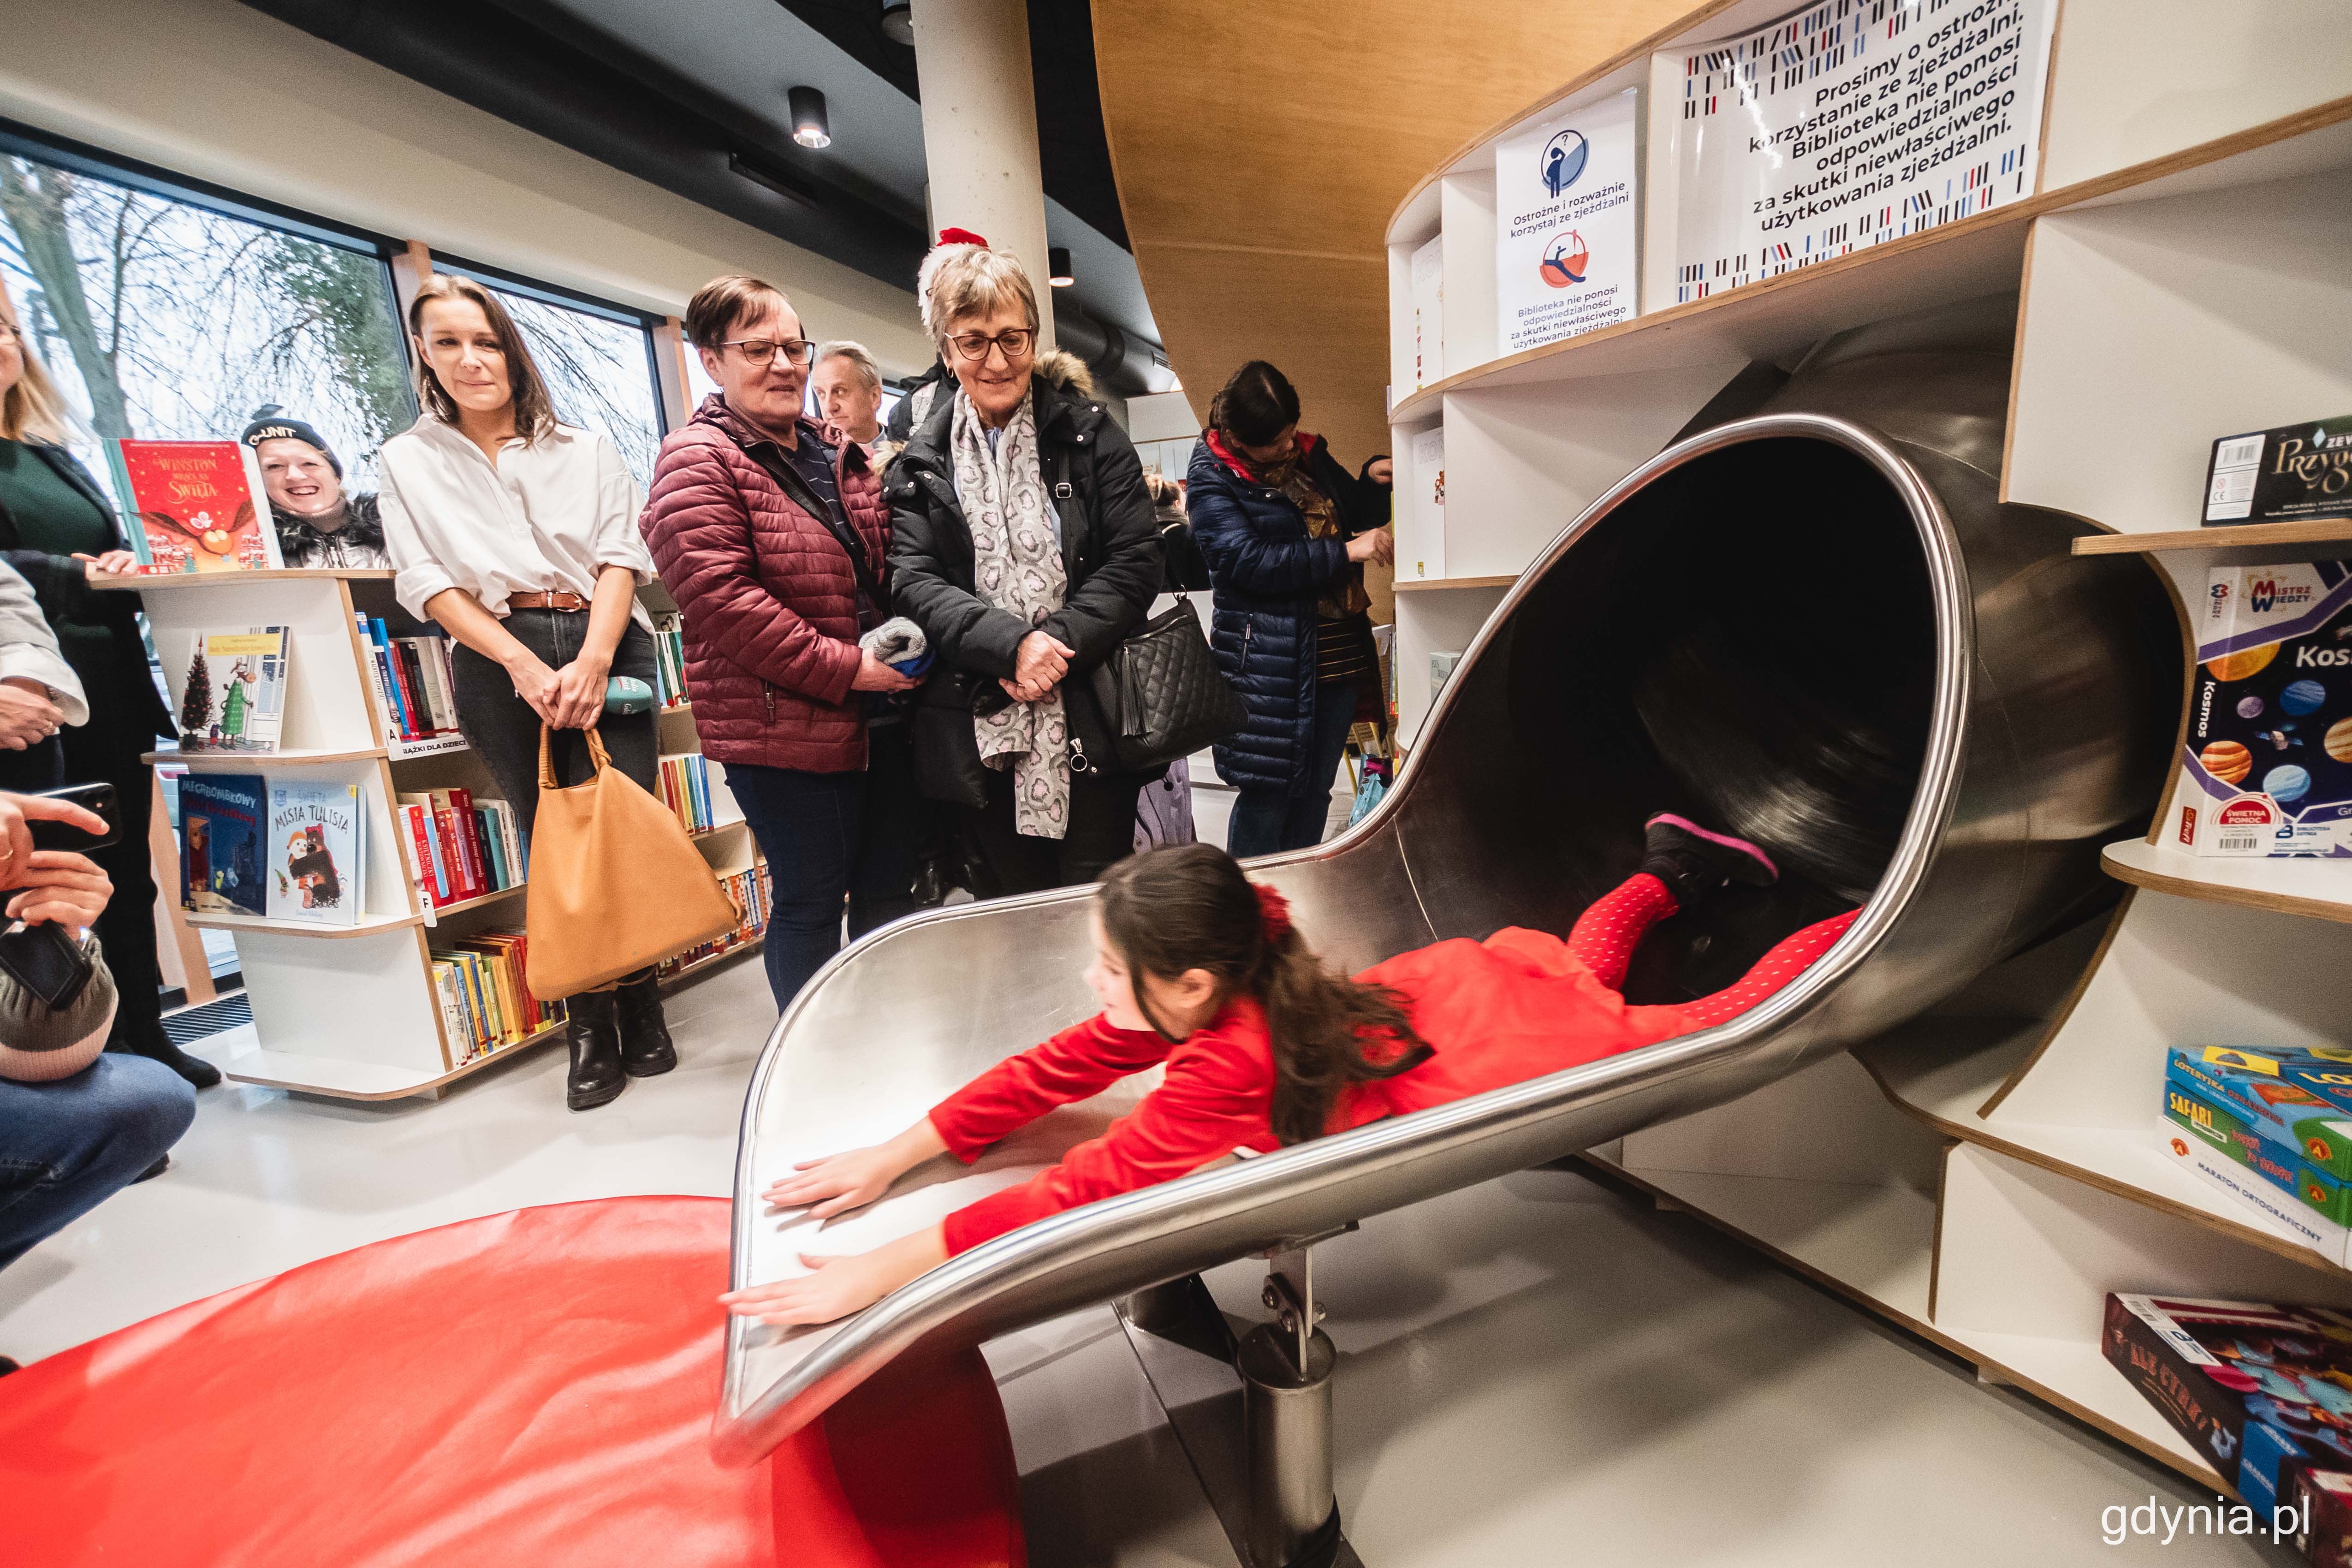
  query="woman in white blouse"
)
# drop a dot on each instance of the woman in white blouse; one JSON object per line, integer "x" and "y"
{"x": 519, "y": 534}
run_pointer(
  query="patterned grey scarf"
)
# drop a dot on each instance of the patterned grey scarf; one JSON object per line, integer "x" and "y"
{"x": 1016, "y": 567}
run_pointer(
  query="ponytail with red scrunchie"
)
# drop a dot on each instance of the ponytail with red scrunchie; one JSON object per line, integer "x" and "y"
{"x": 1273, "y": 912}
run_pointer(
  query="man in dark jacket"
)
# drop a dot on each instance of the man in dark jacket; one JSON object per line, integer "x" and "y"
{"x": 1110, "y": 549}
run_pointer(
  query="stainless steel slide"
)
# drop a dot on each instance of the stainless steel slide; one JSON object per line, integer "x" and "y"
{"x": 1812, "y": 621}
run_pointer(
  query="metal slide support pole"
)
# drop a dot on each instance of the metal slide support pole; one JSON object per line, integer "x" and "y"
{"x": 1286, "y": 1368}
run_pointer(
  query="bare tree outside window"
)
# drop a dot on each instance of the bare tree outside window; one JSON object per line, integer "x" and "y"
{"x": 597, "y": 372}
{"x": 164, "y": 320}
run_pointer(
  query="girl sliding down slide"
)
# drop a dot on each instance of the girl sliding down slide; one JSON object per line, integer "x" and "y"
{"x": 1199, "y": 969}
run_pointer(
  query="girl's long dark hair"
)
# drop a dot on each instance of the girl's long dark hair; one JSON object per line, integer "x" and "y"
{"x": 1188, "y": 906}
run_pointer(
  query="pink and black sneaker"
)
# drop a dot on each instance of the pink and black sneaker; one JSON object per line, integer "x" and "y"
{"x": 1693, "y": 862}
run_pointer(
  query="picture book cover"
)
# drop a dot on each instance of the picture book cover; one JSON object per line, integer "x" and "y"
{"x": 234, "y": 696}
{"x": 199, "y": 504}
{"x": 221, "y": 823}
{"x": 316, "y": 841}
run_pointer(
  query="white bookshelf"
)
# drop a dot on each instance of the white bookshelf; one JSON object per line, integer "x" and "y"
{"x": 1985, "y": 1175}
{"x": 344, "y": 1011}
{"x": 727, "y": 844}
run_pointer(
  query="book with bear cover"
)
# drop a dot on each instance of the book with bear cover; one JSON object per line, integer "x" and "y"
{"x": 221, "y": 825}
{"x": 317, "y": 843}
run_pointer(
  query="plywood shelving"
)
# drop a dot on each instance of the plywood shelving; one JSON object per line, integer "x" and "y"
{"x": 343, "y": 1011}
{"x": 1987, "y": 1174}
{"x": 2241, "y": 537}
{"x": 2297, "y": 885}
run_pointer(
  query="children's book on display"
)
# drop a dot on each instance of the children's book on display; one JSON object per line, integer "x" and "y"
{"x": 199, "y": 505}
{"x": 234, "y": 696}
{"x": 220, "y": 829}
{"x": 317, "y": 846}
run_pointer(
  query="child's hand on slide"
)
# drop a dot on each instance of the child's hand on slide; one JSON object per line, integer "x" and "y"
{"x": 836, "y": 1183}
{"x": 840, "y": 1286}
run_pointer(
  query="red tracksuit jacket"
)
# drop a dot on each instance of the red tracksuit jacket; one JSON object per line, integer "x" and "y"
{"x": 1513, "y": 1008}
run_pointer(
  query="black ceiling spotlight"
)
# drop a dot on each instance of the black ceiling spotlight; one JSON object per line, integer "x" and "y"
{"x": 1057, "y": 266}
{"x": 809, "y": 127}
{"x": 898, "y": 21}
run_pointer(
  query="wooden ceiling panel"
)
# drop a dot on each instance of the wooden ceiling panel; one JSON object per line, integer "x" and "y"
{"x": 1260, "y": 151}
{"x": 1325, "y": 326}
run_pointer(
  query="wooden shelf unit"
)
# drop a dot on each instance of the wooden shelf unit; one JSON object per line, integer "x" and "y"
{"x": 1987, "y": 1174}
{"x": 1501, "y": 580}
{"x": 2241, "y": 537}
{"x": 2310, "y": 885}
{"x": 254, "y": 761}
{"x": 345, "y": 1011}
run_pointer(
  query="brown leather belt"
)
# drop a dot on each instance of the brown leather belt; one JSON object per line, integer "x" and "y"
{"x": 561, "y": 599}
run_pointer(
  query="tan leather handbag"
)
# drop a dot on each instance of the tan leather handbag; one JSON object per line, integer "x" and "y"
{"x": 614, "y": 882}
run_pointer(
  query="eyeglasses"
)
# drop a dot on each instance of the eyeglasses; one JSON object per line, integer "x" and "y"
{"x": 758, "y": 351}
{"x": 1016, "y": 343}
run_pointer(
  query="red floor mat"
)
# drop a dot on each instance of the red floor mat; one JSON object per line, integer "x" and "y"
{"x": 534, "y": 1387}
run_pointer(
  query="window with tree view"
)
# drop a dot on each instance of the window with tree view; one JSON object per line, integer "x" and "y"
{"x": 598, "y": 367}
{"x": 168, "y": 320}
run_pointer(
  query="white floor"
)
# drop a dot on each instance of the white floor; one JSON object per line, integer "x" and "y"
{"x": 1537, "y": 1370}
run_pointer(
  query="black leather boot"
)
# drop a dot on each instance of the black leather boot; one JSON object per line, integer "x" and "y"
{"x": 645, "y": 1047}
{"x": 593, "y": 1030}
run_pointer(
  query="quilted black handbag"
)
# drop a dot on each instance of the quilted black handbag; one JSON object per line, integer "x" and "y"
{"x": 1162, "y": 694}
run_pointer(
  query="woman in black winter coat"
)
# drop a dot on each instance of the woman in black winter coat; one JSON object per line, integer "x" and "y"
{"x": 1023, "y": 542}
{"x": 1286, "y": 532}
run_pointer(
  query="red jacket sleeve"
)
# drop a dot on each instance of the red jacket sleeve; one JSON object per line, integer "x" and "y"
{"x": 1219, "y": 1089}
{"x": 1076, "y": 1063}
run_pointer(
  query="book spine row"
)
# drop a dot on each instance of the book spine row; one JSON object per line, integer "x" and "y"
{"x": 413, "y": 681}
{"x": 459, "y": 847}
{"x": 486, "y": 1003}
{"x": 669, "y": 661}
{"x": 752, "y": 892}
{"x": 685, "y": 781}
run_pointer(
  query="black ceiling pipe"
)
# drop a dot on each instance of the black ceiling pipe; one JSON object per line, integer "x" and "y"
{"x": 530, "y": 76}
{"x": 1121, "y": 365}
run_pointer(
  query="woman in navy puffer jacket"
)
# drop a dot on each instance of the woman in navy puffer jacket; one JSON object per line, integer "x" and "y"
{"x": 1286, "y": 532}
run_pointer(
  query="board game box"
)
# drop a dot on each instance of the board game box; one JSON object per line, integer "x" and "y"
{"x": 2296, "y": 473}
{"x": 2301, "y": 1101}
{"x": 2267, "y": 766}
{"x": 2258, "y": 1389}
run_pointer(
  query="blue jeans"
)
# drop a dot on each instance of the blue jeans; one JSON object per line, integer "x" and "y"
{"x": 1267, "y": 821}
{"x": 830, "y": 836}
{"x": 67, "y": 1147}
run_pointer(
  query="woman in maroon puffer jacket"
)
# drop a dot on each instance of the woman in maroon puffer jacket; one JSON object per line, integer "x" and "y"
{"x": 772, "y": 537}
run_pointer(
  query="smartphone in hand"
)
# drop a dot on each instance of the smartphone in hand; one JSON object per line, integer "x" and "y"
{"x": 96, "y": 798}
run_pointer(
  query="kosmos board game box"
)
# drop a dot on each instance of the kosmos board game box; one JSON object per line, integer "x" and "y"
{"x": 2267, "y": 769}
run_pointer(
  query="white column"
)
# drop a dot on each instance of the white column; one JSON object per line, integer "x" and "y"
{"x": 979, "y": 131}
